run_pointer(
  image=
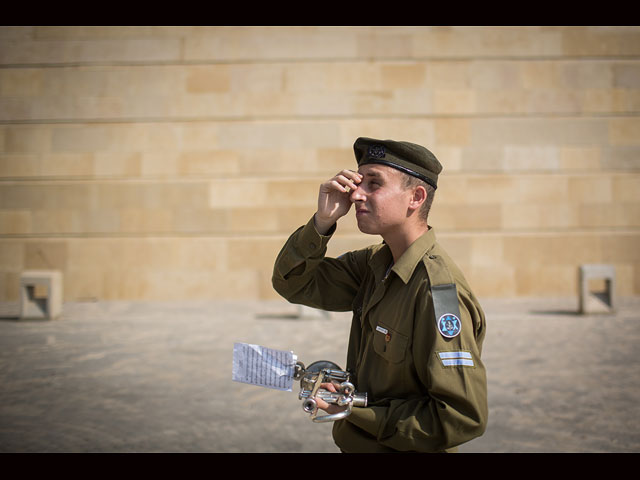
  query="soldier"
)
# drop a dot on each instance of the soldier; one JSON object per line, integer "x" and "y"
{"x": 417, "y": 329}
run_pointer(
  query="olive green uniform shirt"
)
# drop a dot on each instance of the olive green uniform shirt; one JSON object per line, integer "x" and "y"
{"x": 426, "y": 392}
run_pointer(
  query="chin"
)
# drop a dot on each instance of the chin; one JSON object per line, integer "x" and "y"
{"x": 368, "y": 229}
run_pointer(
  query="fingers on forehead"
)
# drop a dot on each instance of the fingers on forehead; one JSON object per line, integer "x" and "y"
{"x": 349, "y": 173}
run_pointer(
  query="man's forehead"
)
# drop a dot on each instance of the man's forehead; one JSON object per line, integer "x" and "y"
{"x": 376, "y": 170}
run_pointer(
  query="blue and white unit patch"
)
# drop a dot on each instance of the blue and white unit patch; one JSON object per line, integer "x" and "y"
{"x": 453, "y": 359}
{"x": 449, "y": 325}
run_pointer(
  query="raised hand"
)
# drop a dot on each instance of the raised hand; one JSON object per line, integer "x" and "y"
{"x": 334, "y": 199}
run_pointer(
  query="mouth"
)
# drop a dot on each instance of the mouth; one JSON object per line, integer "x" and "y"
{"x": 361, "y": 211}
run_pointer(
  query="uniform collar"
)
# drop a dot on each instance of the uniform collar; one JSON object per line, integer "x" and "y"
{"x": 406, "y": 264}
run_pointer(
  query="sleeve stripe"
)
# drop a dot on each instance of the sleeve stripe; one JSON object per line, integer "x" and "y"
{"x": 454, "y": 355}
{"x": 457, "y": 361}
{"x": 451, "y": 359}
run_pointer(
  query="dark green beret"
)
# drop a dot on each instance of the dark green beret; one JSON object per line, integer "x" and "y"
{"x": 407, "y": 157}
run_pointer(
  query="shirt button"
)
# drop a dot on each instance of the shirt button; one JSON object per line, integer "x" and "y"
{"x": 312, "y": 246}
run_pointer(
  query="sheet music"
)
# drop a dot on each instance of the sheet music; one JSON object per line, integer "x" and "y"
{"x": 263, "y": 366}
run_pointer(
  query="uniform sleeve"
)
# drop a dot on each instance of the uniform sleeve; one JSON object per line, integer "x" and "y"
{"x": 303, "y": 275}
{"x": 453, "y": 409}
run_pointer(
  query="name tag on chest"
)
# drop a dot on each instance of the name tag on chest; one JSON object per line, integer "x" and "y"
{"x": 382, "y": 329}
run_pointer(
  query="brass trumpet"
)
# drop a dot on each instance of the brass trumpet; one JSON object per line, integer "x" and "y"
{"x": 324, "y": 371}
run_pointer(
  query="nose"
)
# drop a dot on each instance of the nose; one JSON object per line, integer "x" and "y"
{"x": 357, "y": 195}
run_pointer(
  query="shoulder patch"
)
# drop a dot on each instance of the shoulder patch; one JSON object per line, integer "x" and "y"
{"x": 446, "y": 309}
{"x": 445, "y": 297}
{"x": 449, "y": 325}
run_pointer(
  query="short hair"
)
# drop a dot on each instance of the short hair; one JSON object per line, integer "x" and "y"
{"x": 410, "y": 181}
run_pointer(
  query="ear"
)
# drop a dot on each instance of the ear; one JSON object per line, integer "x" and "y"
{"x": 418, "y": 197}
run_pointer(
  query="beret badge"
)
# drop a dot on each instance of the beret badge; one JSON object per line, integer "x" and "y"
{"x": 376, "y": 151}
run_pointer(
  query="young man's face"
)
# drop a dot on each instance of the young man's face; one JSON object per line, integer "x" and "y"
{"x": 381, "y": 201}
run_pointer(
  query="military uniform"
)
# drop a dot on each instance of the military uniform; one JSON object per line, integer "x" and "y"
{"x": 415, "y": 341}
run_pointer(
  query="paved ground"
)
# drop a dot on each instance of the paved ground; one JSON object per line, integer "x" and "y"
{"x": 156, "y": 377}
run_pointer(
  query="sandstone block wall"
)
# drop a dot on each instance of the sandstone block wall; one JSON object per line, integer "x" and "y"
{"x": 173, "y": 162}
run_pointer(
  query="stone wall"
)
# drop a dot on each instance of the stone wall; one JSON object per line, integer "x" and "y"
{"x": 173, "y": 162}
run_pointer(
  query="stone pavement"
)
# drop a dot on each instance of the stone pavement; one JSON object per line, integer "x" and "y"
{"x": 156, "y": 377}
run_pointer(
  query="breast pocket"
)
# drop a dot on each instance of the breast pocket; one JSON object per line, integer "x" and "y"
{"x": 389, "y": 344}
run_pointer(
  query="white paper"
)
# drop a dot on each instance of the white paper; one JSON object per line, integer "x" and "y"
{"x": 265, "y": 367}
